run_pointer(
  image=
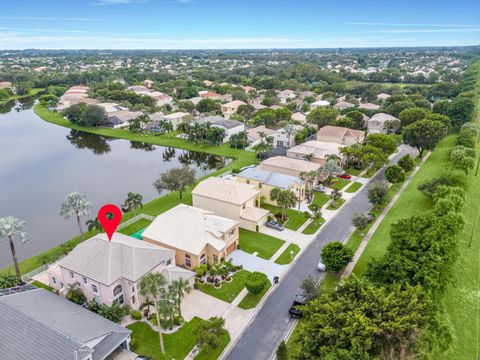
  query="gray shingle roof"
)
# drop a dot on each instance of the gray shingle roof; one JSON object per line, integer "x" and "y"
{"x": 123, "y": 257}
{"x": 37, "y": 324}
{"x": 270, "y": 178}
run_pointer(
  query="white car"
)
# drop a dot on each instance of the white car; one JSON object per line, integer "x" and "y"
{"x": 321, "y": 267}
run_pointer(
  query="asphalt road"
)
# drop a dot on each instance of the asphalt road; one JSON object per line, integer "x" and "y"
{"x": 260, "y": 340}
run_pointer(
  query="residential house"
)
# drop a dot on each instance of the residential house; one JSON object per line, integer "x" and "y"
{"x": 289, "y": 166}
{"x": 340, "y": 135}
{"x": 207, "y": 83}
{"x": 121, "y": 118}
{"x": 383, "y": 96}
{"x": 177, "y": 118}
{"x": 284, "y": 137}
{"x": 231, "y": 107}
{"x": 110, "y": 271}
{"x": 378, "y": 123}
{"x": 369, "y": 106}
{"x": 319, "y": 103}
{"x": 112, "y": 107}
{"x": 37, "y": 324}
{"x": 6, "y": 85}
{"x": 209, "y": 95}
{"x": 231, "y": 127}
{"x": 247, "y": 88}
{"x": 231, "y": 199}
{"x": 315, "y": 151}
{"x": 299, "y": 116}
{"x": 197, "y": 236}
{"x": 342, "y": 105}
{"x": 286, "y": 95}
{"x": 265, "y": 181}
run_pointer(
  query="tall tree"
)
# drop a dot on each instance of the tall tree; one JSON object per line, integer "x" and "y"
{"x": 94, "y": 225}
{"x": 209, "y": 332}
{"x": 284, "y": 198}
{"x": 153, "y": 286}
{"x": 75, "y": 204}
{"x": 176, "y": 179}
{"x": 10, "y": 228}
{"x": 179, "y": 288}
{"x": 133, "y": 202}
{"x": 424, "y": 134}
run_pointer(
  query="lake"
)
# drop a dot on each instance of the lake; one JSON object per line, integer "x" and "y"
{"x": 41, "y": 162}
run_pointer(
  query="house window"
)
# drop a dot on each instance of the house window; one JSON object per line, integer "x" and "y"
{"x": 117, "y": 290}
{"x": 133, "y": 289}
{"x": 259, "y": 185}
{"x": 61, "y": 285}
{"x": 215, "y": 258}
{"x": 188, "y": 261}
{"x": 94, "y": 289}
{"x": 84, "y": 280}
{"x": 133, "y": 299}
{"x": 54, "y": 281}
{"x": 71, "y": 274}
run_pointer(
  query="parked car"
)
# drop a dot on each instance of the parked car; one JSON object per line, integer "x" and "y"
{"x": 274, "y": 225}
{"x": 345, "y": 176}
{"x": 319, "y": 188}
{"x": 294, "y": 311}
{"x": 321, "y": 267}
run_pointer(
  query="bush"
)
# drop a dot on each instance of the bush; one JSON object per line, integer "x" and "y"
{"x": 360, "y": 221}
{"x": 178, "y": 320}
{"x": 336, "y": 256}
{"x": 153, "y": 319}
{"x": 136, "y": 315}
{"x": 406, "y": 163}
{"x": 377, "y": 192}
{"x": 395, "y": 174}
{"x": 256, "y": 282}
{"x": 454, "y": 178}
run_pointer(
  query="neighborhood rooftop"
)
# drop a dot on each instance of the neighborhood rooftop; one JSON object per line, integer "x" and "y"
{"x": 269, "y": 177}
{"x": 228, "y": 190}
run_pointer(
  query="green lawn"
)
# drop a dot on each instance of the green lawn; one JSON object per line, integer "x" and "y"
{"x": 340, "y": 202}
{"x": 293, "y": 346}
{"x": 313, "y": 227}
{"x": 319, "y": 199}
{"x": 136, "y": 226}
{"x": 32, "y": 92}
{"x": 353, "y": 171}
{"x": 229, "y": 290}
{"x": 286, "y": 257}
{"x": 330, "y": 281}
{"x": 295, "y": 218}
{"x": 339, "y": 184}
{"x": 177, "y": 345}
{"x": 264, "y": 245}
{"x": 251, "y": 300}
{"x": 154, "y": 207}
{"x": 354, "y": 187}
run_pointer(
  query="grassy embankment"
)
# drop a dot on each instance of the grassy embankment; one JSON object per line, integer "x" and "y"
{"x": 154, "y": 207}
{"x": 32, "y": 92}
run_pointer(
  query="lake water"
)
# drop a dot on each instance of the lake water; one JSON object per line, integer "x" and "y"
{"x": 40, "y": 163}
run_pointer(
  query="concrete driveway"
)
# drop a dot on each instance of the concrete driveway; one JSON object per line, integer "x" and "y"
{"x": 204, "y": 306}
{"x": 254, "y": 263}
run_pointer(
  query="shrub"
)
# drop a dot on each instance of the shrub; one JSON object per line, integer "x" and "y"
{"x": 377, "y": 192}
{"x": 454, "y": 178}
{"x": 465, "y": 138}
{"x": 178, "y": 320}
{"x": 360, "y": 221}
{"x": 406, "y": 163}
{"x": 136, "y": 315}
{"x": 336, "y": 256}
{"x": 395, "y": 174}
{"x": 153, "y": 319}
{"x": 256, "y": 282}
{"x": 282, "y": 351}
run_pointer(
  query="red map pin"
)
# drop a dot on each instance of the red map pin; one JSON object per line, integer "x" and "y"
{"x": 109, "y": 217}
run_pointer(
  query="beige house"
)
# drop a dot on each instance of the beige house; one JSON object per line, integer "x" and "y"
{"x": 300, "y": 117}
{"x": 340, "y": 135}
{"x": 315, "y": 151}
{"x": 231, "y": 199}
{"x": 342, "y": 105}
{"x": 378, "y": 123}
{"x": 196, "y": 236}
{"x": 177, "y": 117}
{"x": 265, "y": 181}
{"x": 231, "y": 107}
{"x": 288, "y": 166}
{"x": 110, "y": 271}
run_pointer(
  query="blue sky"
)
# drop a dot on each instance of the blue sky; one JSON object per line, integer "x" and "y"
{"x": 202, "y": 24}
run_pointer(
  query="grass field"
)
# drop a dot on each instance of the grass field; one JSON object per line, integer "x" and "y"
{"x": 339, "y": 184}
{"x": 136, "y": 226}
{"x": 265, "y": 245}
{"x": 251, "y": 300}
{"x": 313, "y": 227}
{"x": 319, "y": 199}
{"x": 295, "y": 218}
{"x": 340, "y": 202}
{"x": 286, "y": 257}
{"x": 229, "y": 290}
{"x": 32, "y": 92}
{"x": 354, "y": 187}
{"x": 177, "y": 345}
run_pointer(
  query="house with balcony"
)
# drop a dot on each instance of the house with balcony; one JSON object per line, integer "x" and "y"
{"x": 197, "y": 236}
{"x": 231, "y": 199}
{"x": 110, "y": 271}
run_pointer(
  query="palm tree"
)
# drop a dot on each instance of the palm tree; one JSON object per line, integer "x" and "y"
{"x": 11, "y": 227}
{"x": 284, "y": 198}
{"x": 153, "y": 285}
{"x": 180, "y": 288}
{"x": 8, "y": 281}
{"x": 309, "y": 178}
{"x": 210, "y": 331}
{"x": 94, "y": 225}
{"x": 146, "y": 305}
{"x": 75, "y": 204}
{"x": 134, "y": 201}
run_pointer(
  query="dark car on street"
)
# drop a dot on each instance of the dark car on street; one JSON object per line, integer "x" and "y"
{"x": 294, "y": 311}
